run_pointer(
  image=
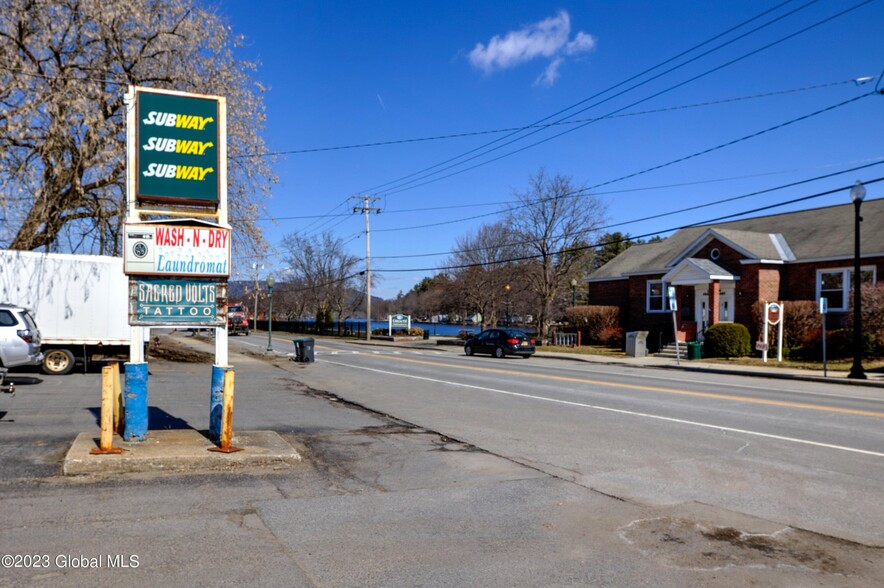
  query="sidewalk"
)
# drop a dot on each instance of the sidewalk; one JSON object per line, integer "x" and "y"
{"x": 874, "y": 379}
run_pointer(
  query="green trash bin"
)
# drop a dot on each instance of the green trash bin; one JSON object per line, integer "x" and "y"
{"x": 694, "y": 350}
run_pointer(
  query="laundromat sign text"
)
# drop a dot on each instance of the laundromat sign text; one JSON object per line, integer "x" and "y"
{"x": 177, "y": 154}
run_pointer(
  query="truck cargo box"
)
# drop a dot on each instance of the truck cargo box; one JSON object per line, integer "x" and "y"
{"x": 80, "y": 302}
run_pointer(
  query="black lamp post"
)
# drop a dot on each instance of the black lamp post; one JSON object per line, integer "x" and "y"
{"x": 857, "y": 193}
{"x": 573, "y": 292}
{"x": 271, "y": 282}
{"x": 507, "y": 288}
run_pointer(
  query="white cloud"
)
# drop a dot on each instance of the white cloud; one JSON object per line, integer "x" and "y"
{"x": 548, "y": 38}
{"x": 550, "y": 74}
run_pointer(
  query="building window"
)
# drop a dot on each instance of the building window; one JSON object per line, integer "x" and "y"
{"x": 835, "y": 285}
{"x": 657, "y": 300}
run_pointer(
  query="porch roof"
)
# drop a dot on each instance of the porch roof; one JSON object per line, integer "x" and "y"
{"x": 697, "y": 271}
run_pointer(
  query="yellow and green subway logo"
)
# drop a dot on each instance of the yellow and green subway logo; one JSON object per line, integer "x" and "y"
{"x": 177, "y": 148}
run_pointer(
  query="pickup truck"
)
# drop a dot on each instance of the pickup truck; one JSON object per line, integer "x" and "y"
{"x": 237, "y": 319}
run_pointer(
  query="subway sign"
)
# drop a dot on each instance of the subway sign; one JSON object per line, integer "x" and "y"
{"x": 176, "y": 250}
{"x": 177, "y": 148}
{"x": 177, "y": 302}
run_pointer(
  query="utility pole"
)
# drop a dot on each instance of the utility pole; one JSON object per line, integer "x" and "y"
{"x": 366, "y": 208}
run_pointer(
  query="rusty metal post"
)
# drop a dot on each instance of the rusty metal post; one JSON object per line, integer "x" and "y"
{"x": 227, "y": 416}
{"x": 107, "y": 414}
{"x": 118, "y": 399}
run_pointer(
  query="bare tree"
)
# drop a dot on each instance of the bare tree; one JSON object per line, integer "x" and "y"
{"x": 64, "y": 69}
{"x": 554, "y": 218}
{"x": 330, "y": 278}
{"x": 485, "y": 256}
{"x": 290, "y": 302}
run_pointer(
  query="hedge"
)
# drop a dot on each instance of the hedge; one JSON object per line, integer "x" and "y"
{"x": 727, "y": 340}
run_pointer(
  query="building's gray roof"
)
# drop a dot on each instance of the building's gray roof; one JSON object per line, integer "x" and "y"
{"x": 819, "y": 233}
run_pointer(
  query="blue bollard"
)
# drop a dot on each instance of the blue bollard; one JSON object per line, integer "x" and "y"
{"x": 135, "y": 428}
{"x": 216, "y": 402}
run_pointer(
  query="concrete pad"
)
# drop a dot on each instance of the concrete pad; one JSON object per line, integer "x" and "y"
{"x": 177, "y": 450}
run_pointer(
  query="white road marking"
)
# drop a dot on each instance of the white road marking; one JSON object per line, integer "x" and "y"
{"x": 620, "y": 411}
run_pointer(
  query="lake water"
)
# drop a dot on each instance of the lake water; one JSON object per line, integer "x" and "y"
{"x": 443, "y": 329}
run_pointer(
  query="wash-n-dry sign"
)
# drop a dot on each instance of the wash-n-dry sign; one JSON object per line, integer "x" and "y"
{"x": 176, "y": 250}
{"x": 178, "y": 139}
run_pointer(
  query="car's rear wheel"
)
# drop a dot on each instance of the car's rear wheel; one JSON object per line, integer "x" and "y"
{"x": 468, "y": 350}
{"x": 499, "y": 353}
{"x": 58, "y": 362}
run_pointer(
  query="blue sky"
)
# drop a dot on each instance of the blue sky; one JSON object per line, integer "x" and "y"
{"x": 352, "y": 73}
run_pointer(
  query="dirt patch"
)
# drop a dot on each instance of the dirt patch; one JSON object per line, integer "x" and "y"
{"x": 170, "y": 349}
{"x": 697, "y": 545}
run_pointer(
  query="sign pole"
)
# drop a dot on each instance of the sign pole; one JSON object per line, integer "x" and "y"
{"x": 766, "y": 323}
{"x": 780, "y": 332}
{"x": 673, "y": 306}
{"x": 221, "y": 353}
{"x": 824, "y": 308}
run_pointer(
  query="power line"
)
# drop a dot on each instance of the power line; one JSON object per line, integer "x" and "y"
{"x": 597, "y": 193}
{"x": 670, "y": 229}
{"x": 401, "y": 181}
{"x": 552, "y": 124}
{"x": 636, "y": 76}
{"x": 650, "y": 169}
{"x": 411, "y": 184}
{"x": 659, "y": 215}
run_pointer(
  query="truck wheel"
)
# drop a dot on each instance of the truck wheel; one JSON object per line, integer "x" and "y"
{"x": 58, "y": 362}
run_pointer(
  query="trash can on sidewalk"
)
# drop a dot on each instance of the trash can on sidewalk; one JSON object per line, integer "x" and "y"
{"x": 304, "y": 350}
{"x": 694, "y": 350}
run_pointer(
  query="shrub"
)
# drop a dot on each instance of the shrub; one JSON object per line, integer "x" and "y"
{"x": 412, "y": 332}
{"x": 612, "y": 337}
{"x": 872, "y": 296}
{"x": 595, "y": 323}
{"x": 839, "y": 345}
{"x": 727, "y": 340}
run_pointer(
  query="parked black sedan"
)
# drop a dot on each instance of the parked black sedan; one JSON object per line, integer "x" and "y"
{"x": 500, "y": 343}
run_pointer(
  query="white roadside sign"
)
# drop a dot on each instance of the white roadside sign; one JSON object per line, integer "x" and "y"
{"x": 176, "y": 250}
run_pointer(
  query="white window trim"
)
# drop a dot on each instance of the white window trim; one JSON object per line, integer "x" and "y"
{"x": 846, "y": 283}
{"x": 665, "y": 301}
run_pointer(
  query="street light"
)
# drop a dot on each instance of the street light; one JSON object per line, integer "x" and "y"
{"x": 271, "y": 282}
{"x": 257, "y": 267}
{"x": 507, "y": 288}
{"x": 857, "y": 193}
{"x": 573, "y": 292}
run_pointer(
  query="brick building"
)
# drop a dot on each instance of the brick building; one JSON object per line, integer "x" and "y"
{"x": 720, "y": 271}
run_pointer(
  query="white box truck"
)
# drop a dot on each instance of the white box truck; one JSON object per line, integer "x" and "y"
{"x": 80, "y": 303}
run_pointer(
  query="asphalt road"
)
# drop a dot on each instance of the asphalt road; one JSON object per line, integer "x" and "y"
{"x": 424, "y": 467}
{"x": 803, "y": 454}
